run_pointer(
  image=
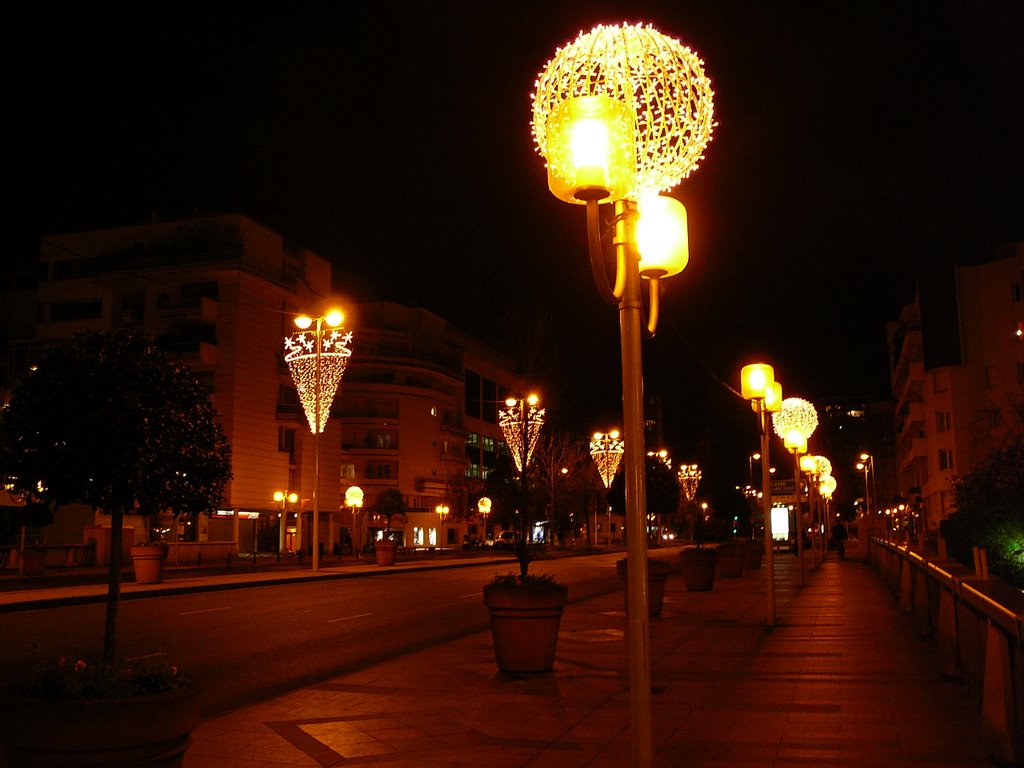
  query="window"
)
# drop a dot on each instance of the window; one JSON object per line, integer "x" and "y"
{"x": 286, "y": 441}
{"x": 943, "y": 421}
{"x": 945, "y": 459}
{"x": 348, "y": 471}
{"x": 381, "y": 440}
{"x": 76, "y": 310}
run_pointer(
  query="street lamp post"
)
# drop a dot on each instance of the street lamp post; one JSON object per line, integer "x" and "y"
{"x": 795, "y": 422}
{"x": 606, "y": 449}
{"x": 483, "y": 508}
{"x": 620, "y": 115}
{"x": 867, "y": 464}
{"x": 317, "y": 361}
{"x": 688, "y": 477}
{"x": 354, "y": 501}
{"x": 521, "y": 420}
{"x": 758, "y": 385}
{"x": 442, "y": 512}
{"x": 284, "y": 500}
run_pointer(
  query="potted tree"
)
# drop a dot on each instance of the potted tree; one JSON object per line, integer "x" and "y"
{"x": 698, "y": 562}
{"x": 662, "y": 493}
{"x": 525, "y": 609}
{"x": 107, "y": 421}
{"x": 390, "y": 504}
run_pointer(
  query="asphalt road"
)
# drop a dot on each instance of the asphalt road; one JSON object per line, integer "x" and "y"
{"x": 249, "y": 644}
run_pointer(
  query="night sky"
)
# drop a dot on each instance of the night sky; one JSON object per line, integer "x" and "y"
{"x": 856, "y": 144}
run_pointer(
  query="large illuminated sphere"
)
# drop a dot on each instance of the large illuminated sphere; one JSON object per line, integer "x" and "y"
{"x": 796, "y": 415}
{"x": 660, "y": 80}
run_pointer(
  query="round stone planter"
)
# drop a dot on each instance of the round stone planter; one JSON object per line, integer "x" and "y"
{"x": 524, "y": 625}
{"x": 698, "y": 566}
{"x": 657, "y": 579}
{"x": 149, "y": 560}
{"x": 146, "y": 731}
{"x": 384, "y": 551}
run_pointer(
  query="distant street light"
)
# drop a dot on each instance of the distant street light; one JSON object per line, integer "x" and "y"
{"x": 795, "y": 422}
{"x": 483, "y": 508}
{"x": 354, "y": 501}
{"x": 759, "y": 386}
{"x": 606, "y": 449}
{"x": 317, "y": 361}
{"x": 521, "y": 420}
{"x": 284, "y": 500}
{"x": 442, "y": 512}
{"x": 688, "y": 477}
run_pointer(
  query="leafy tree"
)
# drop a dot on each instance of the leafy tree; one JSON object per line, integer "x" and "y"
{"x": 107, "y": 421}
{"x": 564, "y": 469}
{"x": 391, "y": 504}
{"x": 990, "y": 509}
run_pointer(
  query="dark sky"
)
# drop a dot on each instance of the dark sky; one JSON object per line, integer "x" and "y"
{"x": 857, "y": 143}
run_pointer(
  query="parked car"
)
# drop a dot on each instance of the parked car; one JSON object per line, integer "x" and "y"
{"x": 505, "y": 540}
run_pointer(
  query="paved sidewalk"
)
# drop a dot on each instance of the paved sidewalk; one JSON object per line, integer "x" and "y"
{"x": 841, "y": 680}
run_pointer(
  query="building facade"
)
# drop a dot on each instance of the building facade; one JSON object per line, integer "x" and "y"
{"x": 416, "y": 409}
{"x": 957, "y": 371}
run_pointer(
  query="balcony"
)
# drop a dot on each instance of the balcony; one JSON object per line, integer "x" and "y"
{"x": 200, "y": 308}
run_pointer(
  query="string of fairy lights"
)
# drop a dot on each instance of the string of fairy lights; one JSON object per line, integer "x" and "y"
{"x": 305, "y": 352}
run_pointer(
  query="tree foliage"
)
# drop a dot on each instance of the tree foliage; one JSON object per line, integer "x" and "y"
{"x": 391, "y": 504}
{"x": 107, "y": 421}
{"x": 660, "y": 486}
{"x": 990, "y": 509}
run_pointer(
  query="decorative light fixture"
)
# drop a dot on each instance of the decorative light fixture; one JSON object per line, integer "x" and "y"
{"x": 795, "y": 422}
{"x": 317, "y": 360}
{"x": 622, "y": 113}
{"x": 521, "y": 421}
{"x": 606, "y": 450}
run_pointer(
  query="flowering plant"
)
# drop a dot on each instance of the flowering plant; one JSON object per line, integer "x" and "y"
{"x": 516, "y": 581}
{"x": 84, "y": 679}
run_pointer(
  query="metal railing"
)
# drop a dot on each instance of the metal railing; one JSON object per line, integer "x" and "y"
{"x": 977, "y": 628}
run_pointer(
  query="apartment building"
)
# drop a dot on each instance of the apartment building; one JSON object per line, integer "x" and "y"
{"x": 416, "y": 409}
{"x": 957, "y": 371}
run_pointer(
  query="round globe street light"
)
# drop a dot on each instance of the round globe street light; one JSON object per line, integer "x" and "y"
{"x": 316, "y": 360}
{"x": 795, "y": 422}
{"x": 354, "y": 501}
{"x": 483, "y": 508}
{"x": 621, "y": 115}
{"x": 758, "y": 385}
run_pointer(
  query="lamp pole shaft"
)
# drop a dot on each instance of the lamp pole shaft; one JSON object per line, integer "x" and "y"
{"x": 638, "y": 620}
{"x": 799, "y": 518}
{"x": 316, "y": 451}
{"x": 766, "y": 498}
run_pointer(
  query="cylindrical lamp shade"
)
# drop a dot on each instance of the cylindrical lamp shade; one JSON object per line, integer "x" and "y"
{"x": 590, "y": 151}
{"x": 662, "y": 239}
{"x": 756, "y": 380}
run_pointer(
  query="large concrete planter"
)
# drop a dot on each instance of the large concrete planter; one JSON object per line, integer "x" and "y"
{"x": 657, "y": 579}
{"x": 755, "y": 555}
{"x": 145, "y": 731}
{"x": 384, "y": 551}
{"x": 149, "y": 561}
{"x": 33, "y": 562}
{"x": 698, "y": 566}
{"x": 524, "y": 625}
{"x": 731, "y": 557}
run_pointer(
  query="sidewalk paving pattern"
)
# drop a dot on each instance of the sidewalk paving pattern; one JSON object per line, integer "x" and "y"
{"x": 841, "y": 680}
